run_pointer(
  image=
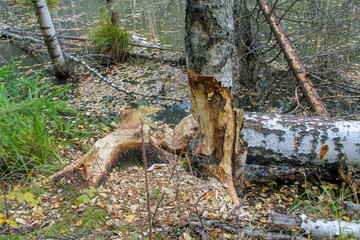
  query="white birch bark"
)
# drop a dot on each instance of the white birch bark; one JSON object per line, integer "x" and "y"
{"x": 51, "y": 40}
{"x": 301, "y": 141}
{"x": 330, "y": 229}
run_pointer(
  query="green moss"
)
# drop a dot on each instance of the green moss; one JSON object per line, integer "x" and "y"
{"x": 93, "y": 216}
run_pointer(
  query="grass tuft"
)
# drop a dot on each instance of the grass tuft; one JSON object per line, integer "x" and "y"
{"x": 108, "y": 38}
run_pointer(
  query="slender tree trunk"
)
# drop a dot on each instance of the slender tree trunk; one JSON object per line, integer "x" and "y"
{"x": 51, "y": 40}
{"x": 245, "y": 60}
{"x": 209, "y": 47}
{"x": 296, "y": 66}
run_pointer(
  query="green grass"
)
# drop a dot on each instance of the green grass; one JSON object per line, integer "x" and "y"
{"x": 322, "y": 200}
{"x": 29, "y": 110}
{"x": 107, "y": 38}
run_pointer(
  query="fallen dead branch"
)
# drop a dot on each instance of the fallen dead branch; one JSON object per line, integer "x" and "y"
{"x": 94, "y": 71}
{"x": 23, "y": 32}
{"x": 241, "y": 232}
{"x": 176, "y": 60}
{"x": 157, "y": 96}
{"x": 349, "y": 179}
{"x": 296, "y": 66}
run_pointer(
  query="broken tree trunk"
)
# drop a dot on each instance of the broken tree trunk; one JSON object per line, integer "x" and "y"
{"x": 123, "y": 146}
{"x": 296, "y": 66}
{"x": 296, "y": 141}
{"x": 273, "y": 140}
{"x": 301, "y": 141}
{"x": 47, "y": 27}
{"x": 209, "y": 47}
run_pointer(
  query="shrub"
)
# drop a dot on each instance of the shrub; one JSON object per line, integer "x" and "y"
{"x": 108, "y": 38}
{"x": 27, "y": 109}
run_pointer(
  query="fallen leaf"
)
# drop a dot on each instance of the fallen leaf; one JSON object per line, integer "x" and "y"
{"x": 78, "y": 223}
{"x": 130, "y": 218}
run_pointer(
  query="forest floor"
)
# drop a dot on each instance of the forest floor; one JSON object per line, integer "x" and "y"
{"x": 180, "y": 206}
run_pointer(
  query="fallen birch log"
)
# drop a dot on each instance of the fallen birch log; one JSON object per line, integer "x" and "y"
{"x": 330, "y": 229}
{"x": 301, "y": 141}
{"x": 298, "y": 141}
{"x": 321, "y": 228}
{"x": 272, "y": 140}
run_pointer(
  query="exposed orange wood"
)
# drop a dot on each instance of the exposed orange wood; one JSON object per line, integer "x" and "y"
{"x": 212, "y": 108}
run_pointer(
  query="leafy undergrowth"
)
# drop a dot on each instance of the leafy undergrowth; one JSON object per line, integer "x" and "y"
{"x": 181, "y": 205}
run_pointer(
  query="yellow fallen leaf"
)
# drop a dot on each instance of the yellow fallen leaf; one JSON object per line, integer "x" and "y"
{"x": 182, "y": 193}
{"x": 228, "y": 236}
{"x": 78, "y": 224}
{"x": 227, "y": 198}
{"x": 129, "y": 218}
{"x": 38, "y": 212}
{"x": 185, "y": 236}
{"x": 56, "y": 205}
{"x": 11, "y": 222}
{"x": 277, "y": 194}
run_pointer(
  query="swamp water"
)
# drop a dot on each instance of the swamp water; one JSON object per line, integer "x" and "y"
{"x": 161, "y": 22}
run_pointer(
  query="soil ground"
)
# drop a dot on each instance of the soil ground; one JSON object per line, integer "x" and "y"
{"x": 180, "y": 204}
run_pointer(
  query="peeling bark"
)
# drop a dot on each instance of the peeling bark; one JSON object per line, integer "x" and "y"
{"x": 210, "y": 47}
{"x": 47, "y": 28}
{"x": 296, "y": 66}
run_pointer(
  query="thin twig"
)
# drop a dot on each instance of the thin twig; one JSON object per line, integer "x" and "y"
{"x": 146, "y": 180}
{"x": 234, "y": 209}
{"x": 6, "y": 207}
{"x": 299, "y": 101}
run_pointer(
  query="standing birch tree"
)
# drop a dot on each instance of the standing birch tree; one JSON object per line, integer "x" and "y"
{"x": 47, "y": 28}
{"x": 210, "y": 47}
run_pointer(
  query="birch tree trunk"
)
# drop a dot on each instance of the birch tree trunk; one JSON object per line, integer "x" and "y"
{"x": 209, "y": 47}
{"x": 46, "y": 25}
{"x": 301, "y": 141}
{"x": 296, "y": 66}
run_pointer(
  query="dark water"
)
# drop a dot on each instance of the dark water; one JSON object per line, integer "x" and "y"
{"x": 160, "y": 22}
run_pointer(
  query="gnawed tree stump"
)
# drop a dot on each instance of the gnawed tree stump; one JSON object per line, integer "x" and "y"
{"x": 177, "y": 140}
{"x": 123, "y": 145}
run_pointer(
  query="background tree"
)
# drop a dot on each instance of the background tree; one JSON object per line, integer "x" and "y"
{"x": 323, "y": 36}
{"x": 47, "y": 27}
